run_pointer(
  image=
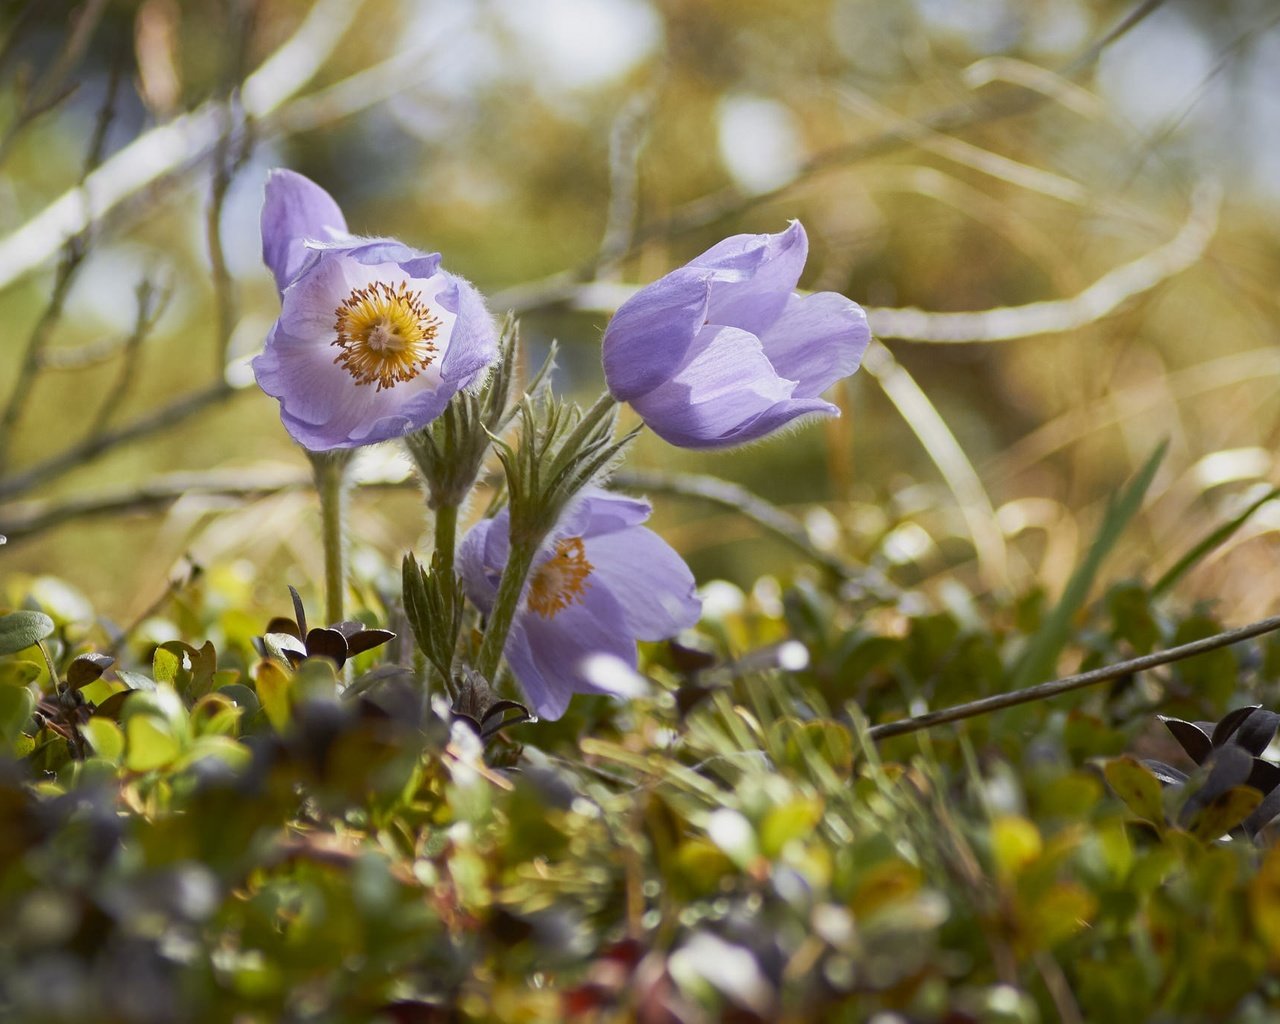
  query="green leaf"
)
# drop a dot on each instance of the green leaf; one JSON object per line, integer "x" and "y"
{"x": 273, "y": 692}
{"x": 105, "y": 737}
{"x": 16, "y": 705}
{"x": 1223, "y": 813}
{"x": 19, "y": 673}
{"x": 1041, "y": 656}
{"x": 150, "y": 745}
{"x": 1214, "y": 539}
{"x": 1137, "y": 787}
{"x": 165, "y": 666}
{"x": 22, "y": 629}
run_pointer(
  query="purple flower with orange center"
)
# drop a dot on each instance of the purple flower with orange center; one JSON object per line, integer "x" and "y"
{"x": 373, "y": 337}
{"x": 603, "y": 582}
{"x": 723, "y": 351}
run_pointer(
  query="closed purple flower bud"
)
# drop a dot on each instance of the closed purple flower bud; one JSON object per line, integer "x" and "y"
{"x": 723, "y": 351}
{"x": 603, "y": 583}
{"x": 373, "y": 337}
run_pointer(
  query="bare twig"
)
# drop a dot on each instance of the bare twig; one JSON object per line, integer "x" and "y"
{"x": 177, "y": 144}
{"x": 93, "y": 447}
{"x": 151, "y": 306}
{"x": 731, "y": 201}
{"x": 1044, "y": 691}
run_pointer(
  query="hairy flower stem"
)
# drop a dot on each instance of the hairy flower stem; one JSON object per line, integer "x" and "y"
{"x": 330, "y": 470}
{"x": 510, "y": 588}
{"x": 446, "y": 533}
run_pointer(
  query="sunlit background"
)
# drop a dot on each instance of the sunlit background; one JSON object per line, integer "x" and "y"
{"x": 1118, "y": 162}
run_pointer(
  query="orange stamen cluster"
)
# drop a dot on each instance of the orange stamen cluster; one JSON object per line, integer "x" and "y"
{"x": 561, "y": 579}
{"x": 386, "y": 334}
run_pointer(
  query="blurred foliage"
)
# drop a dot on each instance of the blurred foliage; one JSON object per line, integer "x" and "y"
{"x": 206, "y": 829}
{"x": 194, "y": 832}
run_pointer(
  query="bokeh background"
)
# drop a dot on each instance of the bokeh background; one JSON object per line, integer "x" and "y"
{"x": 1117, "y": 162}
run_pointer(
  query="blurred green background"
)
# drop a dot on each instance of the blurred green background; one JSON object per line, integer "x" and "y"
{"x": 944, "y": 155}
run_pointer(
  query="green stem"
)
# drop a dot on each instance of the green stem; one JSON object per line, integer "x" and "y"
{"x": 510, "y": 587}
{"x": 331, "y": 484}
{"x": 446, "y": 534}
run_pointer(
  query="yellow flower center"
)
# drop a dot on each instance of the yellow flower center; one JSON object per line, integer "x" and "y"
{"x": 386, "y": 334}
{"x": 561, "y": 579}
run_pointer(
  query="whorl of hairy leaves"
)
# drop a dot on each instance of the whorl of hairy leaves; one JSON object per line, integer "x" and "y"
{"x": 561, "y": 451}
{"x": 433, "y": 603}
{"x": 451, "y": 450}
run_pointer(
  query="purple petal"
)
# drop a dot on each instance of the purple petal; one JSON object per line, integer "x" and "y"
{"x": 755, "y": 276}
{"x": 651, "y": 582}
{"x": 558, "y": 647}
{"x": 473, "y": 344}
{"x": 295, "y": 209}
{"x": 818, "y": 340}
{"x": 650, "y": 334}
{"x": 475, "y": 563}
{"x": 598, "y": 512}
{"x": 723, "y": 388}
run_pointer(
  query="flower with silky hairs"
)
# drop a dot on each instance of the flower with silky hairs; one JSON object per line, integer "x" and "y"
{"x": 723, "y": 351}
{"x": 602, "y": 582}
{"x": 373, "y": 337}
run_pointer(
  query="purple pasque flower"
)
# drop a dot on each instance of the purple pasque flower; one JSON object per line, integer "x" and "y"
{"x": 723, "y": 351}
{"x": 602, "y": 583}
{"x": 373, "y": 337}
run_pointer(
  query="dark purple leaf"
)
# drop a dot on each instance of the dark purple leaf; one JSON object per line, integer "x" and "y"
{"x": 299, "y": 612}
{"x": 1257, "y": 731}
{"x": 1264, "y": 777}
{"x": 347, "y": 627}
{"x": 281, "y": 624}
{"x": 1231, "y": 722}
{"x": 367, "y": 640}
{"x": 1167, "y": 774}
{"x": 1195, "y": 741}
{"x": 112, "y": 706}
{"x": 327, "y": 642}
{"x": 1230, "y": 767}
{"x": 1264, "y": 814}
{"x": 86, "y": 668}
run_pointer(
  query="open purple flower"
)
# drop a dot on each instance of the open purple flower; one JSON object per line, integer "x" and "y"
{"x": 722, "y": 351}
{"x": 373, "y": 337}
{"x": 603, "y": 583}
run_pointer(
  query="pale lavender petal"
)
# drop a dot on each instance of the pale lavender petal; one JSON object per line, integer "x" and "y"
{"x": 474, "y": 563}
{"x": 651, "y": 582}
{"x": 548, "y": 697}
{"x": 559, "y": 647}
{"x": 711, "y": 400}
{"x": 597, "y": 512}
{"x": 650, "y": 334}
{"x": 295, "y": 209}
{"x": 818, "y": 340}
{"x": 309, "y": 306}
{"x": 473, "y": 345}
{"x": 755, "y": 276}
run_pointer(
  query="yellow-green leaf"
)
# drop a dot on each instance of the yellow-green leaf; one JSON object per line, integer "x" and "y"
{"x": 273, "y": 692}
{"x": 150, "y": 745}
{"x": 1223, "y": 813}
{"x": 1137, "y": 787}
{"x": 104, "y": 737}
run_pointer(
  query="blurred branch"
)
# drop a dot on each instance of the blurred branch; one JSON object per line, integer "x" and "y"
{"x": 52, "y": 88}
{"x": 151, "y": 306}
{"x": 1100, "y": 299}
{"x": 626, "y": 142}
{"x": 1003, "y": 323}
{"x": 93, "y": 447}
{"x": 1044, "y": 691}
{"x": 180, "y": 143}
{"x": 941, "y": 445}
{"x": 73, "y": 254}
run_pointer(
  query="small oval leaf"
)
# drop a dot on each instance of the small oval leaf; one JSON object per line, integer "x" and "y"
{"x": 86, "y": 668}
{"x": 21, "y": 629}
